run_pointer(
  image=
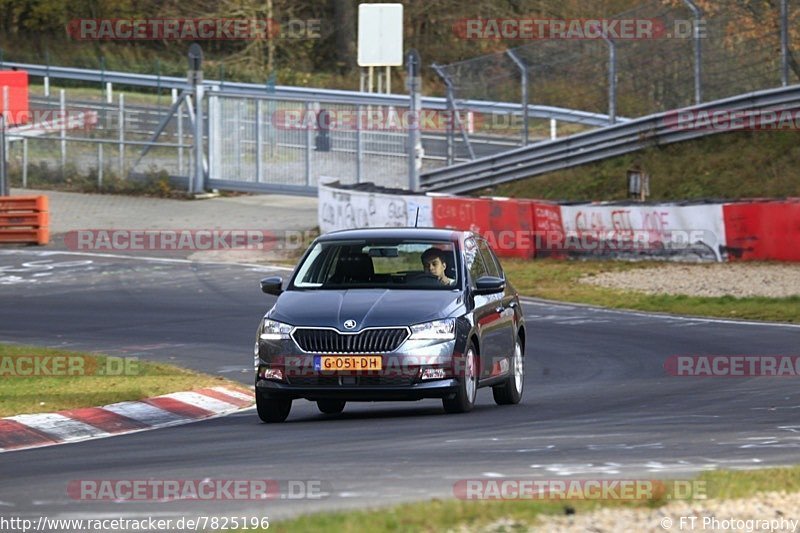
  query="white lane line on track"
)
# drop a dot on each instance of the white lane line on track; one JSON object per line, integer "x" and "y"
{"x": 144, "y": 258}
{"x": 63, "y": 428}
{"x": 570, "y": 306}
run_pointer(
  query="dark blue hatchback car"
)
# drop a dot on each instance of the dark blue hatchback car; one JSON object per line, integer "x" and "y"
{"x": 390, "y": 314}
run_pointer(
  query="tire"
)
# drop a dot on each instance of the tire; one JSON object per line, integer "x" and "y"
{"x": 510, "y": 392}
{"x": 271, "y": 410}
{"x": 331, "y": 407}
{"x": 464, "y": 400}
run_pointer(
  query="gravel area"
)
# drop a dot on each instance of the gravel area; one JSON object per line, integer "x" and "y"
{"x": 734, "y": 279}
{"x": 773, "y": 511}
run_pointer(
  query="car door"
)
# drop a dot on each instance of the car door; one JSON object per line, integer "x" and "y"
{"x": 505, "y": 302}
{"x": 486, "y": 315}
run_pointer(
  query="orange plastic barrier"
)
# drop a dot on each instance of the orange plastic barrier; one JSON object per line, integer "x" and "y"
{"x": 17, "y": 83}
{"x": 24, "y": 219}
{"x": 763, "y": 231}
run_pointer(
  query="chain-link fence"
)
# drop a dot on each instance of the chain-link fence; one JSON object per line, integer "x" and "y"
{"x": 689, "y": 57}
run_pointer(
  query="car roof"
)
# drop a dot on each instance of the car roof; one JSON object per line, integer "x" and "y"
{"x": 434, "y": 234}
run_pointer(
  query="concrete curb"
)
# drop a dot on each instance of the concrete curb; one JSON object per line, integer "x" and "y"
{"x": 22, "y": 432}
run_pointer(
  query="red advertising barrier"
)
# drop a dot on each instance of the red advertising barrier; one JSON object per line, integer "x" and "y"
{"x": 510, "y": 228}
{"x": 17, "y": 83}
{"x": 465, "y": 214}
{"x": 549, "y": 230}
{"x": 763, "y": 231}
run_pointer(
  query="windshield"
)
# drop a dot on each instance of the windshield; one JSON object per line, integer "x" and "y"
{"x": 379, "y": 265}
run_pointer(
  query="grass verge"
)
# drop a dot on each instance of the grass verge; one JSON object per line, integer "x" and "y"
{"x": 558, "y": 280}
{"x": 95, "y": 379}
{"x": 443, "y": 515}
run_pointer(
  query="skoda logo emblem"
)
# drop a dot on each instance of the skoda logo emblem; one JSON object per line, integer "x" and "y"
{"x": 349, "y": 324}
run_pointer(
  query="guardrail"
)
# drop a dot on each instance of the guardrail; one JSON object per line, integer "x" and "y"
{"x": 652, "y": 130}
{"x": 285, "y": 92}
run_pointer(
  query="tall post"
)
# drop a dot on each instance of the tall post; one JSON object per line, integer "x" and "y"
{"x": 612, "y": 80}
{"x": 414, "y": 84}
{"x": 698, "y": 52}
{"x": 63, "y": 130}
{"x": 784, "y": 44}
{"x": 3, "y": 174}
{"x": 451, "y": 109}
{"x": 359, "y": 144}
{"x": 196, "y": 80}
{"x": 121, "y": 121}
{"x": 523, "y": 72}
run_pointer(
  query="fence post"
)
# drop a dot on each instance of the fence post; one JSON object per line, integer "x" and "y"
{"x": 4, "y": 188}
{"x": 180, "y": 130}
{"x": 698, "y": 52}
{"x": 62, "y": 105}
{"x": 415, "y": 103}
{"x": 784, "y": 44}
{"x": 24, "y": 162}
{"x": 523, "y": 71}
{"x": 100, "y": 164}
{"x": 359, "y": 144}
{"x": 196, "y": 182}
{"x": 259, "y": 140}
{"x": 121, "y": 121}
{"x": 451, "y": 108}
{"x": 612, "y": 79}
{"x": 309, "y": 142}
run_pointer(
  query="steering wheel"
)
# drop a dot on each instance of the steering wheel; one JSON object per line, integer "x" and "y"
{"x": 425, "y": 277}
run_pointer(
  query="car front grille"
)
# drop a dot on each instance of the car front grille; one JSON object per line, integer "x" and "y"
{"x": 368, "y": 341}
{"x": 358, "y": 381}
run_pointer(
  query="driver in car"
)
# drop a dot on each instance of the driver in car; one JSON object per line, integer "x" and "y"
{"x": 434, "y": 261}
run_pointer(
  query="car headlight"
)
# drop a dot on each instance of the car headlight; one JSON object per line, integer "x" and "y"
{"x": 274, "y": 331}
{"x": 436, "y": 330}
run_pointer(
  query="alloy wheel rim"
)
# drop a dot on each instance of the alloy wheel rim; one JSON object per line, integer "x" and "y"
{"x": 469, "y": 376}
{"x": 518, "y": 369}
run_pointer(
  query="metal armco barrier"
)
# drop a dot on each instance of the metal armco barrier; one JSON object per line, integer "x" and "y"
{"x": 654, "y": 130}
{"x": 24, "y": 219}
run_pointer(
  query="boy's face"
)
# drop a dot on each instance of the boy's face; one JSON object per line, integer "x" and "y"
{"x": 435, "y": 266}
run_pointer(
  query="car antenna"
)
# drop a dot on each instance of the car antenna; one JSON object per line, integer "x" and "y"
{"x": 416, "y": 219}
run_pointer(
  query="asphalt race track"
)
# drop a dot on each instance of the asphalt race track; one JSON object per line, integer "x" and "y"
{"x": 597, "y": 402}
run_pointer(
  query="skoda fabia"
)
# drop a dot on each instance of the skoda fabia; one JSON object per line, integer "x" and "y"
{"x": 390, "y": 314}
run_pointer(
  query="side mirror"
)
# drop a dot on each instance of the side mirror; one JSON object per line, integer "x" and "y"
{"x": 272, "y": 285}
{"x": 489, "y": 285}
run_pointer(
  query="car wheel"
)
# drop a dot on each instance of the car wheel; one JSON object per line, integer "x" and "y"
{"x": 464, "y": 400}
{"x": 272, "y": 409}
{"x": 510, "y": 392}
{"x": 331, "y": 407}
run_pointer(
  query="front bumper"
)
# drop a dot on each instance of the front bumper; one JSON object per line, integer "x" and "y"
{"x": 400, "y": 377}
{"x": 442, "y": 388}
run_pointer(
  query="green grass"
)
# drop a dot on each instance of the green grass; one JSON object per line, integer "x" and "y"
{"x": 441, "y": 515}
{"x": 727, "y": 165}
{"x": 96, "y": 380}
{"x": 558, "y": 280}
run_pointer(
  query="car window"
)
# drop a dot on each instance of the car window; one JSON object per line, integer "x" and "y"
{"x": 404, "y": 264}
{"x": 488, "y": 257}
{"x": 475, "y": 265}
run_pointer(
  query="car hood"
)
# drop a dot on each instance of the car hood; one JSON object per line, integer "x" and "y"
{"x": 368, "y": 307}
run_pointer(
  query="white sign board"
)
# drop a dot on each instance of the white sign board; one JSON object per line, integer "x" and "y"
{"x": 380, "y": 35}
{"x": 348, "y": 209}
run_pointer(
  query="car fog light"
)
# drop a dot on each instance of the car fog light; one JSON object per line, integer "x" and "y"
{"x": 271, "y": 373}
{"x": 432, "y": 373}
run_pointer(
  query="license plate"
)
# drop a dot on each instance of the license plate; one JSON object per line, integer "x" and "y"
{"x": 330, "y": 363}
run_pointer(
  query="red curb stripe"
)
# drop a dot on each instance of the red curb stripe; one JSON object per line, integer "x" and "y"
{"x": 178, "y": 407}
{"x": 221, "y": 396}
{"x": 16, "y": 435}
{"x": 102, "y": 419}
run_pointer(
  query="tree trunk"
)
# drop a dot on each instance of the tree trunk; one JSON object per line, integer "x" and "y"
{"x": 344, "y": 20}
